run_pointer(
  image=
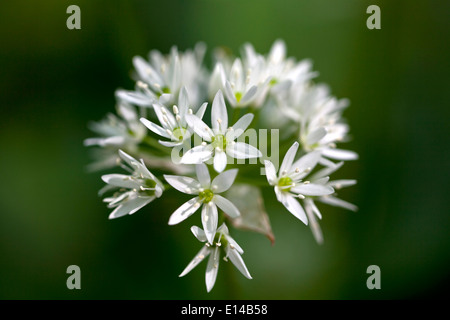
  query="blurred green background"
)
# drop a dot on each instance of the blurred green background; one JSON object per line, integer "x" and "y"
{"x": 53, "y": 81}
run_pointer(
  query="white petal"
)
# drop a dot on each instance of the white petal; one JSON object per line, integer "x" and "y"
{"x": 199, "y": 233}
{"x": 170, "y": 144}
{"x": 233, "y": 243}
{"x": 203, "y": 175}
{"x": 212, "y": 268}
{"x": 236, "y": 259}
{"x": 219, "y": 113}
{"x": 227, "y": 206}
{"x": 239, "y": 127}
{"x": 130, "y": 207}
{"x": 305, "y": 164}
{"x": 183, "y": 102}
{"x": 271, "y": 172}
{"x": 155, "y": 128}
{"x": 209, "y": 220}
{"x": 241, "y": 150}
{"x": 289, "y": 158}
{"x": 121, "y": 181}
{"x": 294, "y": 207}
{"x": 312, "y": 189}
{"x": 129, "y": 159}
{"x": 326, "y": 171}
{"x": 229, "y": 94}
{"x": 185, "y": 211}
{"x": 224, "y": 181}
{"x": 197, "y": 155}
{"x": 135, "y": 98}
{"x": 200, "y": 128}
{"x": 183, "y": 184}
{"x": 220, "y": 161}
{"x": 314, "y": 225}
{"x": 339, "y": 154}
{"x": 338, "y": 203}
{"x": 249, "y": 95}
{"x": 316, "y": 135}
{"x": 202, "y": 254}
{"x": 277, "y": 52}
{"x": 201, "y": 111}
{"x": 342, "y": 183}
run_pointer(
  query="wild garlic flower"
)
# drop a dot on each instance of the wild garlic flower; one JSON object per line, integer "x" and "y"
{"x": 321, "y": 177}
{"x": 174, "y": 125}
{"x": 319, "y": 116}
{"x": 207, "y": 195}
{"x": 123, "y": 132}
{"x": 136, "y": 190}
{"x": 220, "y": 140}
{"x": 222, "y": 240}
{"x": 160, "y": 78}
{"x": 288, "y": 184}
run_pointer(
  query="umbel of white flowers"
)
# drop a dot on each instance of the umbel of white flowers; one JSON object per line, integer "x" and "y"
{"x": 179, "y": 106}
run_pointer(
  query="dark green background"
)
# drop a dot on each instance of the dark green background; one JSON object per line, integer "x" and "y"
{"x": 53, "y": 81}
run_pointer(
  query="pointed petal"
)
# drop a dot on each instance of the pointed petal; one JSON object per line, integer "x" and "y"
{"x": 339, "y": 154}
{"x": 185, "y": 211}
{"x": 183, "y": 102}
{"x": 316, "y": 136}
{"x": 155, "y": 128}
{"x": 135, "y": 98}
{"x": 294, "y": 207}
{"x": 227, "y": 206}
{"x": 202, "y": 254}
{"x": 312, "y": 189}
{"x": 170, "y": 144}
{"x": 199, "y": 233}
{"x": 212, "y": 268}
{"x": 239, "y": 127}
{"x": 249, "y": 95}
{"x": 220, "y": 161}
{"x": 236, "y": 259}
{"x": 201, "y": 111}
{"x": 305, "y": 164}
{"x": 197, "y": 155}
{"x": 229, "y": 94}
{"x": 219, "y": 113}
{"x": 183, "y": 184}
{"x": 209, "y": 220}
{"x": 199, "y": 127}
{"x": 224, "y": 181}
{"x": 338, "y": 203}
{"x": 314, "y": 225}
{"x": 203, "y": 175}
{"x": 121, "y": 181}
{"x": 289, "y": 158}
{"x": 271, "y": 173}
{"x": 130, "y": 207}
{"x": 241, "y": 150}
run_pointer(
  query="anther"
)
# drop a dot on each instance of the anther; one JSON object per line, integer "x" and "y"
{"x": 306, "y": 182}
{"x": 301, "y": 196}
{"x": 297, "y": 170}
{"x": 175, "y": 109}
{"x": 141, "y": 84}
{"x": 190, "y": 111}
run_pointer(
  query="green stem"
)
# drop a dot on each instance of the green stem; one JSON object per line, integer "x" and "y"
{"x": 155, "y": 144}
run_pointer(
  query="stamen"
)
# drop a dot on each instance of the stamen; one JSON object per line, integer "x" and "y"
{"x": 297, "y": 170}
{"x": 306, "y": 182}
{"x": 301, "y": 196}
{"x": 190, "y": 111}
{"x": 175, "y": 109}
{"x": 203, "y": 143}
{"x": 214, "y": 187}
{"x": 187, "y": 190}
{"x": 218, "y": 244}
{"x": 142, "y": 85}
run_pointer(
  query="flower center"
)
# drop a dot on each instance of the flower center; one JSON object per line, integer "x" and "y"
{"x": 219, "y": 141}
{"x": 149, "y": 184}
{"x": 179, "y": 133}
{"x": 285, "y": 183}
{"x": 206, "y": 195}
{"x": 238, "y": 96}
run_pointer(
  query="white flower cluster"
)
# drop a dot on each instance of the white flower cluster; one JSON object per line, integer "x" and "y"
{"x": 191, "y": 126}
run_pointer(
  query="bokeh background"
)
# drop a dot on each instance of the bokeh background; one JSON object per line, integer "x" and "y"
{"x": 53, "y": 81}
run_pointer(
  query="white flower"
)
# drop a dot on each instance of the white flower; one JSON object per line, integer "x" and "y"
{"x": 319, "y": 116}
{"x": 135, "y": 190}
{"x": 288, "y": 183}
{"x": 161, "y": 77}
{"x": 221, "y": 240}
{"x": 125, "y": 132}
{"x": 275, "y": 69}
{"x": 240, "y": 87}
{"x": 219, "y": 141}
{"x": 174, "y": 126}
{"x": 207, "y": 194}
{"x": 321, "y": 177}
